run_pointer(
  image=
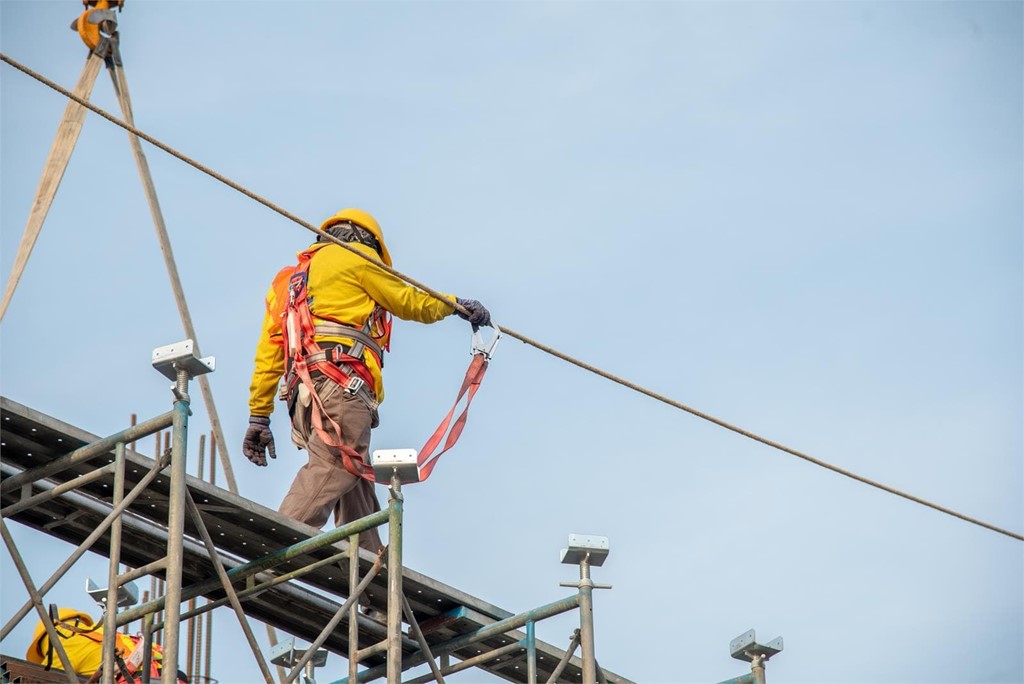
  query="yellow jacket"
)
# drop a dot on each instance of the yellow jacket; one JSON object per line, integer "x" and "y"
{"x": 344, "y": 288}
{"x": 84, "y": 650}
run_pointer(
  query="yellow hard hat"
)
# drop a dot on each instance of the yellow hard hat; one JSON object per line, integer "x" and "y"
{"x": 36, "y": 653}
{"x": 364, "y": 220}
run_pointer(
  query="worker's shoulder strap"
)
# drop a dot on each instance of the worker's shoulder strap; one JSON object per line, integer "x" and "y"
{"x": 282, "y": 281}
{"x": 290, "y": 287}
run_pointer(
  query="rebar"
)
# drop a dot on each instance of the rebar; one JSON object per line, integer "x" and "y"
{"x": 197, "y": 663}
{"x": 110, "y": 609}
{"x": 190, "y": 640}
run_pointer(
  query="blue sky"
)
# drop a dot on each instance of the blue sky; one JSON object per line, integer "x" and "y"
{"x": 803, "y": 218}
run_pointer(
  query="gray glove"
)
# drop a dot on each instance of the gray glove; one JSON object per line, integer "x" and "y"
{"x": 478, "y": 313}
{"x": 259, "y": 440}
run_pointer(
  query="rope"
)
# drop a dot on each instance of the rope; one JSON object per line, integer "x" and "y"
{"x": 507, "y": 331}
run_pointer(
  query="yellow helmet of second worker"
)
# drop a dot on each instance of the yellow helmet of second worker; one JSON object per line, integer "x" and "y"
{"x": 36, "y": 652}
{"x": 364, "y": 220}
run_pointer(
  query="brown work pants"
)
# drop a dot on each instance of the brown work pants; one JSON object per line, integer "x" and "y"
{"x": 323, "y": 485}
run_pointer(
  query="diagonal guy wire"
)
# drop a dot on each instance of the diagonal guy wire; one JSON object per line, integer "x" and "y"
{"x": 511, "y": 333}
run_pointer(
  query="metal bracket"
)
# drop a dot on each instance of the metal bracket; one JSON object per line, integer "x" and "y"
{"x": 487, "y": 349}
{"x": 400, "y": 462}
{"x": 171, "y": 358}
{"x": 127, "y": 594}
{"x": 286, "y": 655}
{"x": 585, "y": 546}
{"x": 745, "y": 647}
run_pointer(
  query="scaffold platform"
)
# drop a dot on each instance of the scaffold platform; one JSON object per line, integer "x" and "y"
{"x": 243, "y": 532}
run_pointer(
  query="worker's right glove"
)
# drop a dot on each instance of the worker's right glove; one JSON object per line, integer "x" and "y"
{"x": 259, "y": 440}
{"x": 478, "y": 313}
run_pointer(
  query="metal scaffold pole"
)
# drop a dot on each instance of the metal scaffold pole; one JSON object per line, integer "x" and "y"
{"x": 395, "y": 580}
{"x": 176, "y": 527}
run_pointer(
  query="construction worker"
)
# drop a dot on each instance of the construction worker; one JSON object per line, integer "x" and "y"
{"x": 350, "y": 300}
{"x": 82, "y": 639}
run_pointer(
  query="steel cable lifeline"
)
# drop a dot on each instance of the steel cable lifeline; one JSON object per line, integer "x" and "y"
{"x": 507, "y": 331}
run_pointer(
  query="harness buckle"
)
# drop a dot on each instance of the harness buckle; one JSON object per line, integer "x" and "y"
{"x": 354, "y": 384}
{"x": 334, "y": 354}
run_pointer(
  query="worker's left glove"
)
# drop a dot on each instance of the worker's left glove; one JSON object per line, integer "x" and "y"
{"x": 478, "y": 313}
{"x": 259, "y": 440}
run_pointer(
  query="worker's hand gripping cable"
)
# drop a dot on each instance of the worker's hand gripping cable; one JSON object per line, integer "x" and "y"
{"x": 483, "y": 352}
{"x": 476, "y": 313}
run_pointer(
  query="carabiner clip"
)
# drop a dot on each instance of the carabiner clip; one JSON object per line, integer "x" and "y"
{"x": 487, "y": 349}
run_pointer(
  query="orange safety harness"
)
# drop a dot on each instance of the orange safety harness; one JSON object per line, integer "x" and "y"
{"x": 304, "y": 357}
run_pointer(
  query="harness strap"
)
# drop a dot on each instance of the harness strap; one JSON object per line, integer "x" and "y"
{"x": 343, "y": 374}
{"x": 350, "y": 458}
{"x": 426, "y": 460}
{"x": 359, "y": 337}
{"x": 470, "y": 384}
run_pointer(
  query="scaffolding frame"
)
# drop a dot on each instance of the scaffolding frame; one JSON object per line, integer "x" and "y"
{"x": 257, "y": 573}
